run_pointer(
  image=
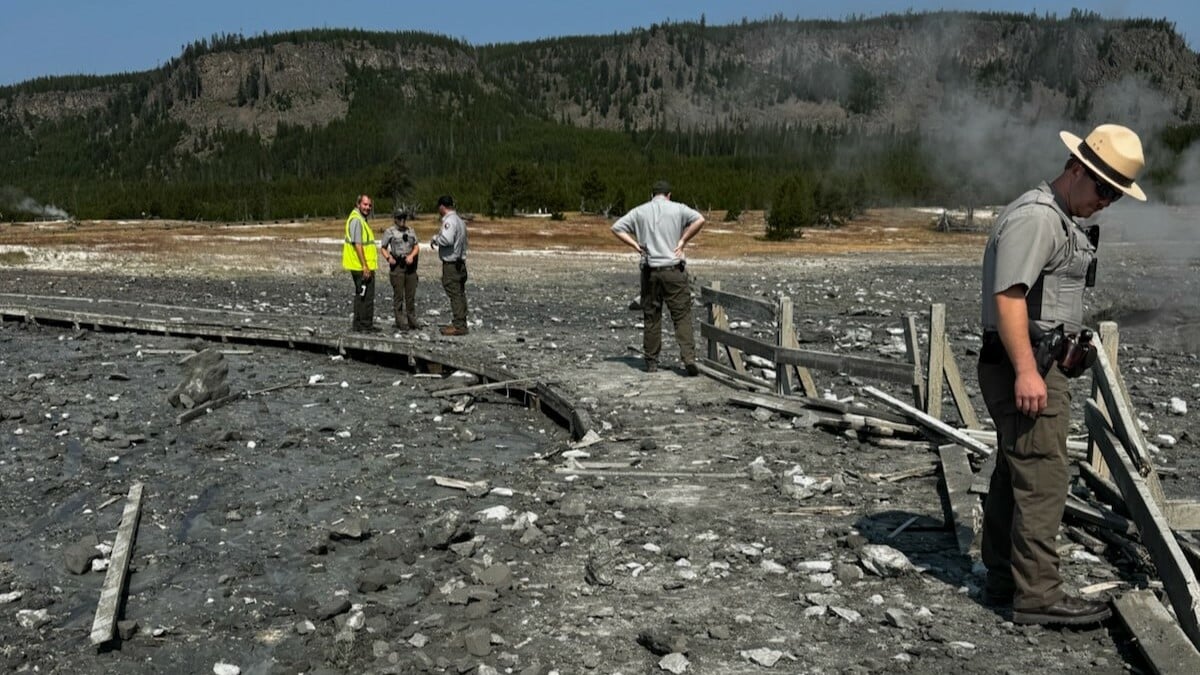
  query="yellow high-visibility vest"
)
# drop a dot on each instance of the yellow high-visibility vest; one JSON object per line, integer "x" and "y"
{"x": 349, "y": 256}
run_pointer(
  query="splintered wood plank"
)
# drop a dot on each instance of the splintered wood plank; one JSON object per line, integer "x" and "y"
{"x": 1159, "y": 638}
{"x": 966, "y": 411}
{"x": 937, "y": 345}
{"x": 932, "y": 423}
{"x": 1109, "y": 339}
{"x": 1124, "y": 422}
{"x": 964, "y": 506}
{"x": 105, "y": 623}
{"x": 1177, "y": 576}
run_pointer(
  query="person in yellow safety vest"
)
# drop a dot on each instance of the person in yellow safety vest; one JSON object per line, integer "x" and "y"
{"x": 359, "y": 255}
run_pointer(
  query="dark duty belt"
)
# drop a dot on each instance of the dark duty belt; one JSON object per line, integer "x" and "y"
{"x": 993, "y": 350}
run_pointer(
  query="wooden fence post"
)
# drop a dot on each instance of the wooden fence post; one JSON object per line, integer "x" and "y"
{"x": 937, "y": 345}
{"x": 912, "y": 345}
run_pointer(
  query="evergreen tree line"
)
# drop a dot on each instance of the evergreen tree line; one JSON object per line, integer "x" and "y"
{"x": 495, "y": 148}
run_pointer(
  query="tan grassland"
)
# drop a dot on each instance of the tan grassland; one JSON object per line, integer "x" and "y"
{"x": 313, "y": 245}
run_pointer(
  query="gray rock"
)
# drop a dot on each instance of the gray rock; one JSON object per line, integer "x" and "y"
{"x": 574, "y": 508}
{"x": 848, "y": 573}
{"x": 333, "y": 608}
{"x": 204, "y": 376}
{"x": 899, "y": 619}
{"x": 77, "y": 557}
{"x": 719, "y": 632}
{"x": 377, "y": 579}
{"x": 32, "y": 618}
{"x": 763, "y": 656}
{"x": 478, "y": 642}
{"x": 498, "y": 576}
{"x": 352, "y": 527}
{"x": 392, "y": 547}
{"x": 661, "y": 643}
{"x": 126, "y": 628}
{"x": 443, "y": 530}
{"x": 674, "y": 663}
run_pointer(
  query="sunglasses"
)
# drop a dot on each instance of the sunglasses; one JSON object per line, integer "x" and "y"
{"x": 1104, "y": 190}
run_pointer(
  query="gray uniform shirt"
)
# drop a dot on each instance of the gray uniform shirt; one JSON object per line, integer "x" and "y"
{"x": 1035, "y": 244}
{"x": 399, "y": 241}
{"x": 657, "y": 225}
{"x": 451, "y": 242}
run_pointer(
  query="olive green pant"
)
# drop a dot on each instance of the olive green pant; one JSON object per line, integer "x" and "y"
{"x": 454, "y": 281}
{"x": 1028, "y": 491}
{"x": 404, "y": 295}
{"x": 670, "y": 285}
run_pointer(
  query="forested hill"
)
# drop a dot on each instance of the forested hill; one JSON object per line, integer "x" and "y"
{"x": 296, "y": 123}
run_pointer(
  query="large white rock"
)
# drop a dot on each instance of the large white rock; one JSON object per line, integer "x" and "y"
{"x": 884, "y": 560}
{"x": 1178, "y": 406}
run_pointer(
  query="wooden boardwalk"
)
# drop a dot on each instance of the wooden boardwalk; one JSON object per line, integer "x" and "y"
{"x": 568, "y": 393}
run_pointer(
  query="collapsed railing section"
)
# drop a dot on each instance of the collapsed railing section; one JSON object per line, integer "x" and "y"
{"x": 1117, "y": 465}
{"x": 792, "y": 365}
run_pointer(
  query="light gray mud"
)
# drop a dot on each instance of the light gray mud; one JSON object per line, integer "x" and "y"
{"x": 234, "y": 553}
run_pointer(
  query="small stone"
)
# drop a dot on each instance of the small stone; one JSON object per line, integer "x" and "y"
{"x": 33, "y": 618}
{"x": 126, "y": 628}
{"x": 719, "y": 632}
{"x": 495, "y": 514}
{"x": 11, "y": 596}
{"x": 478, "y": 642}
{"x": 418, "y": 640}
{"x": 354, "y": 527}
{"x": 762, "y": 656}
{"x": 226, "y": 669}
{"x": 884, "y": 560}
{"x": 772, "y": 567}
{"x": 78, "y": 556}
{"x": 333, "y": 608}
{"x": 899, "y": 619}
{"x": 849, "y": 615}
{"x": 848, "y": 573}
{"x": 305, "y": 627}
{"x": 498, "y": 576}
{"x": 1178, "y": 406}
{"x": 661, "y": 643}
{"x": 674, "y": 663}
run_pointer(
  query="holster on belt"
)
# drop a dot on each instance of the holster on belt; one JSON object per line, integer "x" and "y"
{"x": 1049, "y": 347}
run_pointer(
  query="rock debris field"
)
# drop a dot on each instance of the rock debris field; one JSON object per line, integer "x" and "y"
{"x": 299, "y": 530}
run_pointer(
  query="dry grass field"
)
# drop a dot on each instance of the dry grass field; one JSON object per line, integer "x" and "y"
{"x": 307, "y": 245}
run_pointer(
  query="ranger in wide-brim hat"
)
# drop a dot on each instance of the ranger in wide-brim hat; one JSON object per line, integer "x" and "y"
{"x": 1039, "y": 259}
{"x": 1113, "y": 153}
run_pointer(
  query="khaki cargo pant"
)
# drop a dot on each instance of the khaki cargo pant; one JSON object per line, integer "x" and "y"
{"x": 1028, "y": 491}
{"x": 669, "y": 284}
{"x": 404, "y": 295}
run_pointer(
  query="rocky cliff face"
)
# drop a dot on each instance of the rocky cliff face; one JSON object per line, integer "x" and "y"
{"x": 880, "y": 74}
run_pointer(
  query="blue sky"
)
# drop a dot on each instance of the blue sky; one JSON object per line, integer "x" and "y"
{"x": 59, "y": 37}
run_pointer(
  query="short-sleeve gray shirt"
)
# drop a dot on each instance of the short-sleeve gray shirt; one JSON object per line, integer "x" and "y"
{"x": 658, "y": 225}
{"x": 1036, "y": 245}
{"x": 451, "y": 241}
{"x": 399, "y": 240}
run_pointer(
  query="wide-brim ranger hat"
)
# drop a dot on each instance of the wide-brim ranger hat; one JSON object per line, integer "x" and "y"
{"x": 1112, "y": 152}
